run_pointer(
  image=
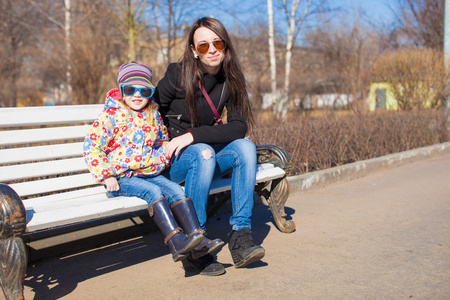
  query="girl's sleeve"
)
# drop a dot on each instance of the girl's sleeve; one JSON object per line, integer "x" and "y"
{"x": 95, "y": 148}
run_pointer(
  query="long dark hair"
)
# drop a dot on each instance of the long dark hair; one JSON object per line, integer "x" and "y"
{"x": 192, "y": 72}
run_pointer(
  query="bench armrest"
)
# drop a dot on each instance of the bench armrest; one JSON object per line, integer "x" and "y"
{"x": 274, "y": 155}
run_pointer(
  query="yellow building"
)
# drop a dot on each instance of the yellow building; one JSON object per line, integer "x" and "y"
{"x": 381, "y": 97}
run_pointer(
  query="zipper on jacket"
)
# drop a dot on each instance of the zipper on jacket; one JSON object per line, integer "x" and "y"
{"x": 177, "y": 116}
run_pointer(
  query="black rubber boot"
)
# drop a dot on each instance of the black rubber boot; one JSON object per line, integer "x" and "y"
{"x": 242, "y": 249}
{"x": 185, "y": 212}
{"x": 205, "y": 265}
{"x": 179, "y": 243}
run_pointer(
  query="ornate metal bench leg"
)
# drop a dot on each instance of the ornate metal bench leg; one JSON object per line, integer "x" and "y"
{"x": 14, "y": 266}
{"x": 278, "y": 192}
{"x": 13, "y": 254}
{"x": 277, "y": 197}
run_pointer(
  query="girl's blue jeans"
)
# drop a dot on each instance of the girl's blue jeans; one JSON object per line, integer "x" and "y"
{"x": 150, "y": 188}
{"x": 198, "y": 164}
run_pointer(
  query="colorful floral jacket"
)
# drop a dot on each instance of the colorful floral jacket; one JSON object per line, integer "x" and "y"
{"x": 123, "y": 142}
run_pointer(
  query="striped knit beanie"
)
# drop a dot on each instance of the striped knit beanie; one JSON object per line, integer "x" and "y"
{"x": 134, "y": 73}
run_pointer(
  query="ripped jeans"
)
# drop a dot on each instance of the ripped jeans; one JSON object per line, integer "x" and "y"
{"x": 198, "y": 164}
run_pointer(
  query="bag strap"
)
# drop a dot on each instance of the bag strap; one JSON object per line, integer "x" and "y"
{"x": 216, "y": 114}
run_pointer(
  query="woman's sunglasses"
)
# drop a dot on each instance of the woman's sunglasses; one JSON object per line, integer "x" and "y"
{"x": 203, "y": 47}
{"x": 129, "y": 90}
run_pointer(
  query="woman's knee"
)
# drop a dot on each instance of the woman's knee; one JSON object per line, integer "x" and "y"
{"x": 246, "y": 145}
{"x": 203, "y": 153}
{"x": 245, "y": 149}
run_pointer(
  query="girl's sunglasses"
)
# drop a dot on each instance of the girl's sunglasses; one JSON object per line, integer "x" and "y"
{"x": 129, "y": 90}
{"x": 203, "y": 47}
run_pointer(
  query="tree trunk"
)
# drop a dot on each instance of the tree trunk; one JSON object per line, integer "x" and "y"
{"x": 273, "y": 62}
{"x": 131, "y": 44}
{"x": 283, "y": 106}
{"x": 169, "y": 31}
{"x": 67, "y": 21}
{"x": 131, "y": 26}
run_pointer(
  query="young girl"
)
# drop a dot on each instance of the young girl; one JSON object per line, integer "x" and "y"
{"x": 124, "y": 150}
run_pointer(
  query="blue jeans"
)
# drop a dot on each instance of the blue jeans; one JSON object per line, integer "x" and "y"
{"x": 150, "y": 188}
{"x": 197, "y": 168}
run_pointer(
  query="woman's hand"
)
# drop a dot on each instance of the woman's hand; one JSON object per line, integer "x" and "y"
{"x": 112, "y": 184}
{"x": 178, "y": 143}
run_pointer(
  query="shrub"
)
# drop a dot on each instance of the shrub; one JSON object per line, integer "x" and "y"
{"x": 417, "y": 77}
{"x": 317, "y": 143}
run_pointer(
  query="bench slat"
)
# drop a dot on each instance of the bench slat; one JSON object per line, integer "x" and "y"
{"x": 64, "y": 114}
{"x": 82, "y": 205}
{"x": 43, "y": 186}
{"x": 39, "y": 153}
{"x": 73, "y": 214}
{"x": 40, "y": 169}
{"x": 39, "y": 135}
{"x": 39, "y": 207}
{"x": 265, "y": 172}
{"x": 67, "y": 196}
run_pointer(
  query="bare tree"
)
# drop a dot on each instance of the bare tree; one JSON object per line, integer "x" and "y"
{"x": 422, "y": 21}
{"x": 67, "y": 39}
{"x": 171, "y": 19}
{"x": 68, "y": 17}
{"x": 131, "y": 19}
{"x": 273, "y": 60}
{"x": 66, "y": 27}
{"x": 294, "y": 22}
{"x": 17, "y": 38}
{"x": 252, "y": 45}
{"x": 95, "y": 54}
{"x": 346, "y": 53}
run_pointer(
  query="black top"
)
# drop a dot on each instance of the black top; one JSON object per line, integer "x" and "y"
{"x": 176, "y": 115}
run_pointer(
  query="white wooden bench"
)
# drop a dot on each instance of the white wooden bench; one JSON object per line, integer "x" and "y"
{"x": 46, "y": 188}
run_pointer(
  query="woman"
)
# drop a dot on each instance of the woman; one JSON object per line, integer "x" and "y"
{"x": 201, "y": 151}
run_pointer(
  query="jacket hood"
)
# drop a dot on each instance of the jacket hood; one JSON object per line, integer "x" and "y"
{"x": 113, "y": 100}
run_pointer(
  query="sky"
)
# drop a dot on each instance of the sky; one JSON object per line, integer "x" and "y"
{"x": 381, "y": 10}
{"x": 232, "y": 12}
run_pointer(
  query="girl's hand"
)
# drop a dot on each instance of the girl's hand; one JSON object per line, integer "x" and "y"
{"x": 178, "y": 143}
{"x": 112, "y": 184}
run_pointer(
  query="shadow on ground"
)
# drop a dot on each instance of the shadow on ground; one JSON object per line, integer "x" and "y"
{"x": 54, "y": 278}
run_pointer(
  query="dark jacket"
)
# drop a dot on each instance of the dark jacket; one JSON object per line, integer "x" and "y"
{"x": 176, "y": 115}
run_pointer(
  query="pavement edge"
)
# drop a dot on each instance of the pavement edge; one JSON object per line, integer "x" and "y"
{"x": 318, "y": 179}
